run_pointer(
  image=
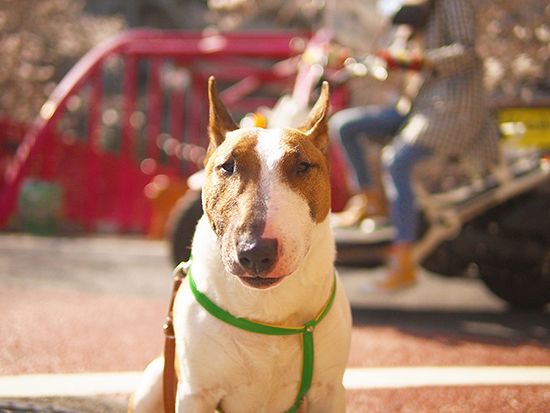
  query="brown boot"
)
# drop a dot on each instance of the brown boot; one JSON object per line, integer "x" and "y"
{"x": 377, "y": 204}
{"x": 365, "y": 204}
{"x": 401, "y": 269}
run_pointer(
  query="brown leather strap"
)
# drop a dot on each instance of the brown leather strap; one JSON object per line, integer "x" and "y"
{"x": 170, "y": 381}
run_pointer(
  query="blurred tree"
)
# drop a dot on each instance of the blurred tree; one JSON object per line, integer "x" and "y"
{"x": 514, "y": 40}
{"x": 514, "y": 36}
{"x": 39, "y": 41}
{"x": 265, "y": 14}
{"x": 162, "y": 14}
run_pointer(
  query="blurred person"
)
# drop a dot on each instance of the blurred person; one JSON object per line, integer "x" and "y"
{"x": 377, "y": 124}
{"x": 448, "y": 116}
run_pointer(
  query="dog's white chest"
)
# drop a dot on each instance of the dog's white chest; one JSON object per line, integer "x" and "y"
{"x": 247, "y": 371}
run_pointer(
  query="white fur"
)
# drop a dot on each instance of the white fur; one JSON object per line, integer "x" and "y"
{"x": 288, "y": 218}
{"x": 147, "y": 396}
{"x": 252, "y": 372}
{"x": 239, "y": 371}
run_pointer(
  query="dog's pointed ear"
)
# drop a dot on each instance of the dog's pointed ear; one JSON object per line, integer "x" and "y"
{"x": 315, "y": 126}
{"x": 221, "y": 120}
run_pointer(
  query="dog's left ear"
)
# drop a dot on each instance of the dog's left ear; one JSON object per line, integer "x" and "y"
{"x": 221, "y": 120}
{"x": 315, "y": 126}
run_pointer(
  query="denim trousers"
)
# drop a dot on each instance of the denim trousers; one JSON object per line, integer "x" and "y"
{"x": 352, "y": 126}
{"x": 398, "y": 161}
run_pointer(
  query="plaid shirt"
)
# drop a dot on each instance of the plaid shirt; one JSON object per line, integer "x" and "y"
{"x": 449, "y": 114}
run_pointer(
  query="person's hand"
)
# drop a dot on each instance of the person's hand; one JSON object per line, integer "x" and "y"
{"x": 401, "y": 59}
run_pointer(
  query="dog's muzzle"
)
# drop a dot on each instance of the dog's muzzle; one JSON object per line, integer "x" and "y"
{"x": 257, "y": 257}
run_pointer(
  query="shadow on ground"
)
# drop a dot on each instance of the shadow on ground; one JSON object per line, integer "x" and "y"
{"x": 512, "y": 327}
{"x": 97, "y": 404}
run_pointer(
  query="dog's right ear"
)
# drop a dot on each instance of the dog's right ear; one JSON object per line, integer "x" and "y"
{"x": 221, "y": 120}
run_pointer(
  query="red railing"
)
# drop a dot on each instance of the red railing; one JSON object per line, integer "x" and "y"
{"x": 135, "y": 108}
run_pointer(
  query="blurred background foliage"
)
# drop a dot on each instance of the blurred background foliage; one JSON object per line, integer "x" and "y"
{"x": 41, "y": 39}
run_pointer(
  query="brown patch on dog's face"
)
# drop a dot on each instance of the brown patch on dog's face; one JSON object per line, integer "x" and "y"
{"x": 264, "y": 192}
{"x": 306, "y": 170}
{"x": 231, "y": 191}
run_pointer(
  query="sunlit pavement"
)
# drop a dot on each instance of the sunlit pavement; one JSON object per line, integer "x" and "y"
{"x": 82, "y": 317}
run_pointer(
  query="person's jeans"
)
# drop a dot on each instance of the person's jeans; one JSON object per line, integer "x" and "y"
{"x": 398, "y": 160}
{"x": 352, "y": 125}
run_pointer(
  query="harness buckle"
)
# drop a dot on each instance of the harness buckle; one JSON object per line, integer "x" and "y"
{"x": 182, "y": 269}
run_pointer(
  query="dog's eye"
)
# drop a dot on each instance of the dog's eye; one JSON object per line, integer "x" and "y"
{"x": 303, "y": 168}
{"x": 227, "y": 167}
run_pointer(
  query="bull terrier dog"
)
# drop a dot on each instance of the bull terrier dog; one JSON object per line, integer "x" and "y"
{"x": 261, "y": 322}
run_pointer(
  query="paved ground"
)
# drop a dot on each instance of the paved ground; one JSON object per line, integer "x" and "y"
{"x": 96, "y": 305}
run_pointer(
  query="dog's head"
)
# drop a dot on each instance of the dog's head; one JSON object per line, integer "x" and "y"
{"x": 265, "y": 191}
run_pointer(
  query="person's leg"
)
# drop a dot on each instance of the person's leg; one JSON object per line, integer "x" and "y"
{"x": 398, "y": 162}
{"x": 349, "y": 127}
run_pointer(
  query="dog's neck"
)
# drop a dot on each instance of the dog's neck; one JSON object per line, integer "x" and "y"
{"x": 293, "y": 302}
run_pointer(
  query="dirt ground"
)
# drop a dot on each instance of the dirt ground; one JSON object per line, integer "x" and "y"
{"x": 100, "y": 307}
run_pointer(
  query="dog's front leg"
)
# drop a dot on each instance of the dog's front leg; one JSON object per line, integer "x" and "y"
{"x": 327, "y": 399}
{"x": 201, "y": 402}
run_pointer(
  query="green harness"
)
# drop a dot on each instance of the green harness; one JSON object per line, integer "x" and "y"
{"x": 260, "y": 328}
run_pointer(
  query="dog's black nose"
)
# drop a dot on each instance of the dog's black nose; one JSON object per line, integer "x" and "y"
{"x": 257, "y": 256}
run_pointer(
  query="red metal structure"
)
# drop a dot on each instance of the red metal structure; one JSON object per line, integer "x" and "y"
{"x": 135, "y": 108}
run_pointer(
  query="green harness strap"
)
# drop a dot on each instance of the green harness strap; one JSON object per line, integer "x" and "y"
{"x": 254, "y": 327}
